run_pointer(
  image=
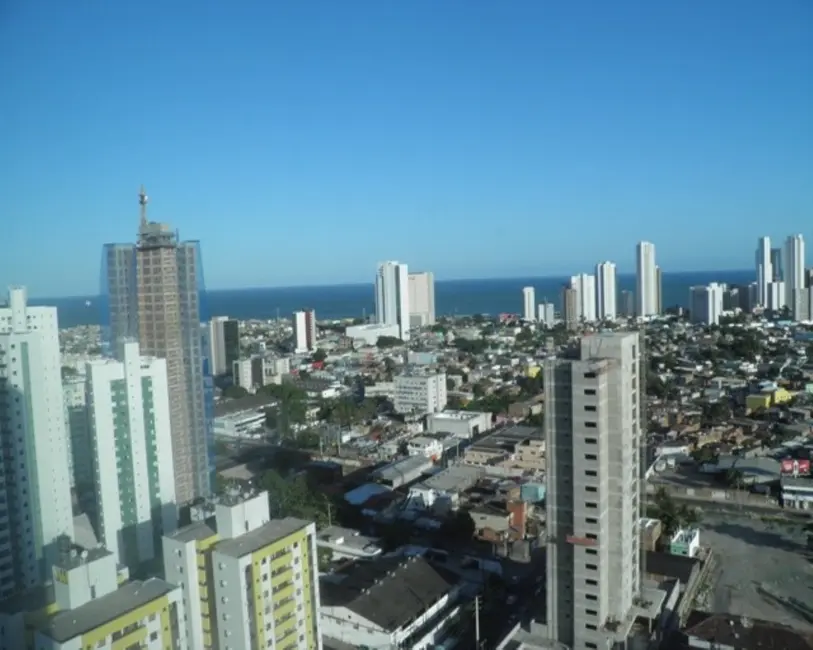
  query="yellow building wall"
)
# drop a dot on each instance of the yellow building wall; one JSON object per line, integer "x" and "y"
{"x": 532, "y": 371}
{"x": 782, "y": 396}
{"x": 754, "y": 402}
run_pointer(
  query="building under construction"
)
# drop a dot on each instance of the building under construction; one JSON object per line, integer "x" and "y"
{"x": 153, "y": 292}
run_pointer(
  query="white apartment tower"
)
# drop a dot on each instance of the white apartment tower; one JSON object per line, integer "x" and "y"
{"x": 593, "y": 435}
{"x": 546, "y": 313}
{"x": 706, "y": 303}
{"x": 131, "y": 447}
{"x": 606, "y": 291}
{"x": 585, "y": 286}
{"x": 35, "y": 484}
{"x": 764, "y": 267}
{"x": 794, "y": 268}
{"x": 392, "y": 296}
{"x": 419, "y": 392}
{"x": 646, "y": 280}
{"x": 528, "y": 304}
{"x": 305, "y": 330}
{"x": 421, "y": 299}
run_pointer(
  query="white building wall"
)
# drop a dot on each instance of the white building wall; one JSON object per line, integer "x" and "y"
{"x": 217, "y": 345}
{"x": 422, "y": 298}
{"x": 546, "y": 314}
{"x": 706, "y": 303}
{"x": 585, "y": 287}
{"x": 646, "y": 289}
{"x": 37, "y": 442}
{"x": 392, "y": 296}
{"x": 418, "y": 393}
{"x": 775, "y": 300}
{"x": 123, "y": 449}
{"x": 606, "y": 291}
{"x": 528, "y": 304}
{"x": 181, "y": 568}
{"x": 304, "y": 330}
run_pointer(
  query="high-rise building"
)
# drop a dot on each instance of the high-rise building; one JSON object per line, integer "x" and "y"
{"x": 305, "y": 330}
{"x": 528, "y": 304}
{"x": 546, "y": 314}
{"x": 794, "y": 271}
{"x": 706, "y": 303}
{"x": 35, "y": 485}
{"x": 571, "y": 314}
{"x": 646, "y": 287}
{"x": 776, "y": 265}
{"x": 418, "y": 392}
{"x": 627, "y": 304}
{"x": 764, "y": 267}
{"x": 131, "y": 448}
{"x": 776, "y": 296}
{"x": 224, "y": 341}
{"x": 152, "y": 293}
{"x": 421, "y": 299}
{"x": 659, "y": 289}
{"x": 808, "y": 278}
{"x": 593, "y": 504}
{"x": 606, "y": 291}
{"x": 249, "y": 581}
{"x": 74, "y": 390}
{"x": 392, "y": 296}
{"x": 585, "y": 286}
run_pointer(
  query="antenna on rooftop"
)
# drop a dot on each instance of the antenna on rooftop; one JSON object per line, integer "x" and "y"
{"x": 143, "y": 199}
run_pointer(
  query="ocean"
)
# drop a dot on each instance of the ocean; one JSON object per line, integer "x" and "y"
{"x": 452, "y": 297}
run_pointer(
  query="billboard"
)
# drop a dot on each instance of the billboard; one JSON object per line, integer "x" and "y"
{"x": 796, "y": 467}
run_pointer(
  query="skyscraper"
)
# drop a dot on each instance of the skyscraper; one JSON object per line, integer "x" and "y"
{"x": 658, "y": 290}
{"x": 131, "y": 447}
{"x": 421, "y": 299}
{"x": 571, "y": 314}
{"x": 392, "y": 296}
{"x": 706, "y": 303}
{"x": 224, "y": 341}
{"x": 152, "y": 293}
{"x": 528, "y": 304}
{"x": 593, "y": 436}
{"x": 764, "y": 269}
{"x": 794, "y": 271}
{"x": 776, "y": 265}
{"x": 646, "y": 290}
{"x": 606, "y": 291}
{"x": 35, "y": 485}
{"x": 304, "y": 330}
{"x": 585, "y": 286}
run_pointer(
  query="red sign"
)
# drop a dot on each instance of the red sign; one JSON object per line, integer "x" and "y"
{"x": 796, "y": 467}
{"x": 580, "y": 541}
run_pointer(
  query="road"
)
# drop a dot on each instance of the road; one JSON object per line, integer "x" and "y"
{"x": 738, "y": 507}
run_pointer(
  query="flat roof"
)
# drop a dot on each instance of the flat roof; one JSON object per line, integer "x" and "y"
{"x": 455, "y": 478}
{"x": 254, "y": 540}
{"x": 194, "y": 532}
{"x": 514, "y": 435}
{"x": 459, "y": 415}
{"x": 64, "y": 626}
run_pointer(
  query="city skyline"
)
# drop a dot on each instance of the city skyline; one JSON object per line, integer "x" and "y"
{"x": 705, "y": 129}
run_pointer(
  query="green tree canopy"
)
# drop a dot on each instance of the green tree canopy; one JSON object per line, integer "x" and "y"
{"x": 234, "y": 392}
{"x": 295, "y": 498}
{"x": 388, "y": 342}
{"x": 319, "y": 355}
{"x": 470, "y": 346}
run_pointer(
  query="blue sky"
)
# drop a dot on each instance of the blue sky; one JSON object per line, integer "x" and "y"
{"x": 302, "y": 142}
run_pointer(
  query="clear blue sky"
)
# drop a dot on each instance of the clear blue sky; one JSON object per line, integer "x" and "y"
{"x": 304, "y": 141}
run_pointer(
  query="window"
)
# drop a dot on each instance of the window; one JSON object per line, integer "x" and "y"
{"x": 591, "y": 441}
{"x": 592, "y": 536}
{"x": 591, "y": 596}
{"x": 591, "y": 520}
{"x": 590, "y": 408}
{"x": 591, "y": 425}
{"x": 590, "y": 472}
{"x": 590, "y": 626}
{"x": 590, "y": 504}
{"x": 589, "y": 391}
{"x": 590, "y": 488}
{"x": 591, "y": 582}
{"x": 591, "y": 567}
{"x": 591, "y": 612}
{"x": 591, "y": 551}
{"x": 590, "y": 457}
{"x": 590, "y": 375}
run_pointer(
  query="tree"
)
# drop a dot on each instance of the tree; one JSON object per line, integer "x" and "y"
{"x": 68, "y": 372}
{"x": 324, "y": 557}
{"x": 234, "y": 392}
{"x": 666, "y": 510}
{"x": 319, "y": 355}
{"x": 294, "y": 498}
{"x": 470, "y": 346}
{"x": 457, "y": 529}
{"x": 450, "y": 385}
{"x": 388, "y": 342}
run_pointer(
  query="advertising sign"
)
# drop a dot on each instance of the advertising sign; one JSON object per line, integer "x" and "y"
{"x": 796, "y": 467}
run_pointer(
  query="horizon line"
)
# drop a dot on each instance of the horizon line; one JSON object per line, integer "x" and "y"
{"x": 437, "y": 281}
